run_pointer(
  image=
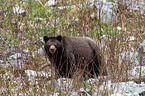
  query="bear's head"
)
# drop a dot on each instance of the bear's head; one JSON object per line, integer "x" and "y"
{"x": 52, "y": 44}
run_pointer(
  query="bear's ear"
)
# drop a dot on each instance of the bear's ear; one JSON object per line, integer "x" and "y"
{"x": 59, "y": 38}
{"x": 45, "y": 38}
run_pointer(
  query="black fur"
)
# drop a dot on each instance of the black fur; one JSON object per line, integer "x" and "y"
{"x": 73, "y": 54}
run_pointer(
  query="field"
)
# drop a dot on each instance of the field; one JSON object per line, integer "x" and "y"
{"x": 117, "y": 26}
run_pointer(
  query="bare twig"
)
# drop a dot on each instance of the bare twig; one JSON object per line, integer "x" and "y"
{"x": 41, "y": 3}
{"x": 4, "y": 40}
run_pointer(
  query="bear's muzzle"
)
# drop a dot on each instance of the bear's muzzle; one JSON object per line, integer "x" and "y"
{"x": 52, "y": 49}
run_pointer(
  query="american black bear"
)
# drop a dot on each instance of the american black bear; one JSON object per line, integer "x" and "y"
{"x": 70, "y": 54}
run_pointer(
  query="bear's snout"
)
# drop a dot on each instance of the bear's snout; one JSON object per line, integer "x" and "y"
{"x": 52, "y": 49}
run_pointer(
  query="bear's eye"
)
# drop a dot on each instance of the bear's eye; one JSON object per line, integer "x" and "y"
{"x": 52, "y": 44}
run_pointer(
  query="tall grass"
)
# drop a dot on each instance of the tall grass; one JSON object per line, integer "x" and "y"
{"x": 20, "y": 31}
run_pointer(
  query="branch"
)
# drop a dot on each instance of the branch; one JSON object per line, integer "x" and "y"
{"x": 41, "y": 3}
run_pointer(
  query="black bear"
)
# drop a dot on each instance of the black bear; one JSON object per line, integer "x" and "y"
{"x": 70, "y": 54}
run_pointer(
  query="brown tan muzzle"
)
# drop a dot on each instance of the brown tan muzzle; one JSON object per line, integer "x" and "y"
{"x": 52, "y": 49}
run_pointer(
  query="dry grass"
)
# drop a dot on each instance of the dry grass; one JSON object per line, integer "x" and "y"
{"x": 20, "y": 31}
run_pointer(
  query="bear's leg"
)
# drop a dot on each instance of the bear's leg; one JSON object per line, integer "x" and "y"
{"x": 94, "y": 70}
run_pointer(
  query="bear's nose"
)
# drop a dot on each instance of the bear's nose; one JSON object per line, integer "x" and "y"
{"x": 52, "y": 49}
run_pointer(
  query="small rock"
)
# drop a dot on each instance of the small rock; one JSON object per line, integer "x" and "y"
{"x": 132, "y": 38}
{"x": 63, "y": 83}
{"x": 31, "y": 73}
{"x": 15, "y": 56}
{"x": 130, "y": 57}
{"x": 50, "y": 3}
{"x": 19, "y": 10}
{"x": 136, "y": 71}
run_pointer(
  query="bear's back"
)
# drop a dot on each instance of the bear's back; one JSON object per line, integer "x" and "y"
{"x": 78, "y": 46}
